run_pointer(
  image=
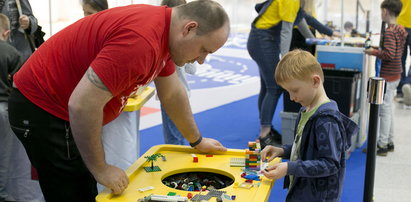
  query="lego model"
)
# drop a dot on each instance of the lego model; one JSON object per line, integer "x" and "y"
{"x": 151, "y": 159}
{"x": 252, "y": 156}
{"x": 162, "y": 198}
{"x": 212, "y": 193}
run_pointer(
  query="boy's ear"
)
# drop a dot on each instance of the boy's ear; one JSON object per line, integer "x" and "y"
{"x": 316, "y": 80}
{"x": 5, "y": 34}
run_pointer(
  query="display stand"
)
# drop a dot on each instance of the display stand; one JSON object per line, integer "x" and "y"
{"x": 350, "y": 58}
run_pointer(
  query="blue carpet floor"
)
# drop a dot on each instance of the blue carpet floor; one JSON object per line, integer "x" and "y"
{"x": 237, "y": 123}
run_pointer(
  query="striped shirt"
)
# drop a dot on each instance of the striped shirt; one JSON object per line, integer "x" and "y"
{"x": 391, "y": 53}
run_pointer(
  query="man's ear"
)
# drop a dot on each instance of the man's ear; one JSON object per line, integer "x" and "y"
{"x": 190, "y": 26}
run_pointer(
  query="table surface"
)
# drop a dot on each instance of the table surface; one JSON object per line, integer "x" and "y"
{"x": 180, "y": 160}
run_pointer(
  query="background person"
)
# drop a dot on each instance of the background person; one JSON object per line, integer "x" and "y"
{"x": 394, "y": 39}
{"x": 19, "y": 25}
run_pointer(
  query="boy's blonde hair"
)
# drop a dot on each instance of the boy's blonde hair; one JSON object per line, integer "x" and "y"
{"x": 4, "y": 23}
{"x": 297, "y": 64}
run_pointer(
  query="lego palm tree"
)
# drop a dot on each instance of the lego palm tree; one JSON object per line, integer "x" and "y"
{"x": 151, "y": 159}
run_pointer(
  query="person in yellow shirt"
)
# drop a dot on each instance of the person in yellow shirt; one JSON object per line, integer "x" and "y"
{"x": 404, "y": 19}
{"x": 270, "y": 37}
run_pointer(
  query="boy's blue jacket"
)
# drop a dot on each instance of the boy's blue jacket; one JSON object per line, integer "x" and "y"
{"x": 319, "y": 171}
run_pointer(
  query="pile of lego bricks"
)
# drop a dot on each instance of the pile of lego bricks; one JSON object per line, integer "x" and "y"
{"x": 197, "y": 181}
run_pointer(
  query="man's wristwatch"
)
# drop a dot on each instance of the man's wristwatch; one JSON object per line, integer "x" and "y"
{"x": 196, "y": 142}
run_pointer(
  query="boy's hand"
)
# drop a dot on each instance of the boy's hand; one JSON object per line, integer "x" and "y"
{"x": 271, "y": 152}
{"x": 276, "y": 171}
{"x": 369, "y": 51}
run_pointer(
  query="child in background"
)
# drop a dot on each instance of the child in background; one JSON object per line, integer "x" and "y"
{"x": 94, "y": 6}
{"x": 171, "y": 133}
{"x": 391, "y": 68}
{"x": 317, "y": 157}
{"x": 10, "y": 62}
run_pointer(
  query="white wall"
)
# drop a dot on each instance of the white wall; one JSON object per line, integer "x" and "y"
{"x": 241, "y": 12}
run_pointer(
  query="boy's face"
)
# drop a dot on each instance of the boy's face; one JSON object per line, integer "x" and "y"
{"x": 301, "y": 91}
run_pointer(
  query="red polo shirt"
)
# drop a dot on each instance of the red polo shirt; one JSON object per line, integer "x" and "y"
{"x": 127, "y": 47}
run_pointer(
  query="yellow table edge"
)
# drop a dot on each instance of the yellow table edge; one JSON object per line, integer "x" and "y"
{"x": 134, "y": 104}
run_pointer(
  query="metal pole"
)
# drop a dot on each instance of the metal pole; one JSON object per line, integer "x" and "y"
{"x": 342, "y": 23}
{"x": 50, "y": 19}
{"x": 375, "y": 98}
{"x": 356, "y": 14}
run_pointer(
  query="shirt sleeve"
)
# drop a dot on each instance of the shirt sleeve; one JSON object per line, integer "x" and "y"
{"x": 126, "y": 59}
{"x": 388, "y": 51}
{"x": 168, "y": 69}
{"x": 26, "y": 10}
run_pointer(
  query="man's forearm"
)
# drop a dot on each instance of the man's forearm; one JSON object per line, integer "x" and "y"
{"x": 179, "y": 110}
{"x": 86, "y": 123}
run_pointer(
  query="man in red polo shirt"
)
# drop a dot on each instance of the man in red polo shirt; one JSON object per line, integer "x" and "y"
{"x": 81, "y": 77}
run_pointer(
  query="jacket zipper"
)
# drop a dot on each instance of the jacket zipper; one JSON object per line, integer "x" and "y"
{"x": 26, "y": 133}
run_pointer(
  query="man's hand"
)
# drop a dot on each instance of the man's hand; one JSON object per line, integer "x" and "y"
{"x": 113, "y": 178}
{"x": 271, "y": 152}
{"x": 209, "y": 145}
{"x": 24, "y": 21}
{"x": 276, "y": 171}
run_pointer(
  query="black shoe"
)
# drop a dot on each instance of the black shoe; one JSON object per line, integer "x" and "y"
{"x": 390, "y": 147}
{"x": 276, "y": 135}
{"x": 382, "y": 151}
{"x": 269, "y": 139}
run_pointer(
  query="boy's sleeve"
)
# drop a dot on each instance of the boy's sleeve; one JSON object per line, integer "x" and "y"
{"x": 15, "y": 62}
{"x": 287, "y": 151}
{"x": 388, "y": 51}
{"x": 329, "y": 148}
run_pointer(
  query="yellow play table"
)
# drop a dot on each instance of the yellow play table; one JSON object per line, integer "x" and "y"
{"x": 180, "y": 160}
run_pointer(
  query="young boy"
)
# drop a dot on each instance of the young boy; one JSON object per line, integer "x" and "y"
{"x": 317, "y": 158}
{"x": 391, "y": 68}
{"x": 10, "y": 62}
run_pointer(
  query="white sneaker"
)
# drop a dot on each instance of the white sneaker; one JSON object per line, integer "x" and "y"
{"x": 406, "y": 90}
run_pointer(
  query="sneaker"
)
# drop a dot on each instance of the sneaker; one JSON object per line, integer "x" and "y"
{"x": 406, "y": 89}
{"x": 276, "y": 135}
{"x": 399, "y": 97}
{"x": 382, "y": 151}
{"x": 390, "y": 147}
{"x": 269, "y": 139}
